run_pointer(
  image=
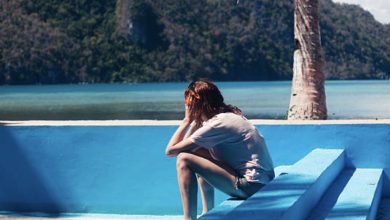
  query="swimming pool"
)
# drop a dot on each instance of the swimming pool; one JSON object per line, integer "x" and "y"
{"x": 119, "y": 167}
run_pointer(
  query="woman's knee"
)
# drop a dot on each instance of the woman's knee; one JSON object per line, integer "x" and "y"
{"x": 183, "y": 160}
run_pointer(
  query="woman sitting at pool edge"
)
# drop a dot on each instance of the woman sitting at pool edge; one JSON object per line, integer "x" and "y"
{"x": 221, "y": 149}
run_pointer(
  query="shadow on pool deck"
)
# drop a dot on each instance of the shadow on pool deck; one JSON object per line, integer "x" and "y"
{"x": 22, "y": 182}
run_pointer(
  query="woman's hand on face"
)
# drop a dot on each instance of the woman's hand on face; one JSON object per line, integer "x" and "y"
{"x": 188, "y": 116}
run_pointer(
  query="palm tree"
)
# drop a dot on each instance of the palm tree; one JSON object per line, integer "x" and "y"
{"x": 308, "y": 100}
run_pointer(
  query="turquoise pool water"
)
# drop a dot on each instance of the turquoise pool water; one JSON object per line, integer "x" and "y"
{"x": 345, "y": 100}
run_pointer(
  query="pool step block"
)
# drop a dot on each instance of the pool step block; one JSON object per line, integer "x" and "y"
{"x": 330, "y": 197}
{"x": 292, "y": 194}
{"x": 222, "y": 210}
{"x": 384, "y": 209}
{"x": 361, "y": 196}
{"x": 228, "y": 205}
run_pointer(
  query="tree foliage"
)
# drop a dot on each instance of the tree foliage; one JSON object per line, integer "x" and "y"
{"x": 70, "y": 41}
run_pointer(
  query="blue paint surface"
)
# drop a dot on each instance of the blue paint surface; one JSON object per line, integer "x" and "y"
{"x": 358, "y": 195}
{"x": 294, "y": 194}
{"x": 327, "y": 202}
{"x": 351, "y": 196}
{"x": 123, "y": 169}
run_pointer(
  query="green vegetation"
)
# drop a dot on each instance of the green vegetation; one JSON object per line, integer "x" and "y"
{"x": 72, "y": 41}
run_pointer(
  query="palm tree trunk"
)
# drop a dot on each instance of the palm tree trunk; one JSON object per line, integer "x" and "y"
{"x": 308, "y": 101}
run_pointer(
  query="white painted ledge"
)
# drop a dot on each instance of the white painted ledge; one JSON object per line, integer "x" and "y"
{"x": 176, "y": 122}
{"x": 93, "y": 217}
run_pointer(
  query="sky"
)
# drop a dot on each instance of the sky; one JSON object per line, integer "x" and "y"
{"x": 379, "y": 8}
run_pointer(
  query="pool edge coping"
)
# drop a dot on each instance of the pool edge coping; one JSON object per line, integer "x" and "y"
{"x": 177, "y": 122}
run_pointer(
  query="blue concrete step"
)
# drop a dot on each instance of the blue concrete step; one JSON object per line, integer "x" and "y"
{"x": 360, "y": 197}
{"x": 355, "y": 194}
{"x": 329, "y": 199}
{"x": 222, "y": 209}
{"x": 292, "y": 194}
{"x": 384, "y": 209}
{"x": 228, "y": 205}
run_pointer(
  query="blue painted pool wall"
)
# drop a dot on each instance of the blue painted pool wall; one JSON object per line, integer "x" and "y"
{"x": 123, "y": 169}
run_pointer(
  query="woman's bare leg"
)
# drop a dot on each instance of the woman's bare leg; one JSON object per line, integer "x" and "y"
{"x": 188, "y": 190}
{"x": 207, "y": 194}
{"x": 188, "y": 165}
{"x": 206, "y": 190}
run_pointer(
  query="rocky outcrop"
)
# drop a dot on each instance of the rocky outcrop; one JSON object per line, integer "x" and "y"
{"x": 137, "y": 21}
{"x": 123, "y": 21}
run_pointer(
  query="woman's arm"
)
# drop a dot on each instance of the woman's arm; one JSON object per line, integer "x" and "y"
{"x": 179, "y": 141}
{"x": 193, "y": 128}
{"x": 185, "y": 145}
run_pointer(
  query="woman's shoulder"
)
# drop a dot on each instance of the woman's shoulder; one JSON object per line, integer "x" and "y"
{"x": 229, "y": 119}
{"x": 225, "y": 119}
{"x": 230, "y": 115}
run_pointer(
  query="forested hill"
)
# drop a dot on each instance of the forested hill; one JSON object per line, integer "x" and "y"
{"x": 71, "y": 41}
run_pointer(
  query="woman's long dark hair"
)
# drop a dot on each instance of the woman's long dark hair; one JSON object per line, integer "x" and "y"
{"x": 204, "y": 98}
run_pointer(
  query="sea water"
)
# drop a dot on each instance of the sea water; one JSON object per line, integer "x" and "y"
{"x": 366, "y": 99}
